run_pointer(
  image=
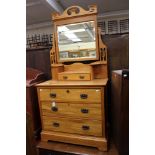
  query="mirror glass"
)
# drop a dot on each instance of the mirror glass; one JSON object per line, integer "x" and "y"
{"x": 77, "y": 41}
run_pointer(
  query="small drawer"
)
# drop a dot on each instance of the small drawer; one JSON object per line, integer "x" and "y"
{"x": 74, "y": 76}
{"x": 83, "y": 127}
{"x": 71, "y": 95}
{"x": 90, "y": 111}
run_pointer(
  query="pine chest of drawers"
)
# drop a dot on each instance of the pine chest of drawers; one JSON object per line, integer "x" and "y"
{"x": 73, "y": 112}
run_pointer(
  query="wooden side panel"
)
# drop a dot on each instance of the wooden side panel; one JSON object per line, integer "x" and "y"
{"x": 120, "y": 110}
{"x": 55, "y": 71}
{"x": 100, "y": 71}
{"x": 30, "y": 140}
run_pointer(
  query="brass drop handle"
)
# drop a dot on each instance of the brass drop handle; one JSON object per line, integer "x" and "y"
{"x": 84, "y": 111}
{"x": 55, "y": 124}
{"x": 85, "y": 127}
{"x": 81, "y": 77}
{"x": 53, "y": 95}
{"x": 65, "y": 77}
{"x": 83, "y": 96}
{"x": 54, "y": 109}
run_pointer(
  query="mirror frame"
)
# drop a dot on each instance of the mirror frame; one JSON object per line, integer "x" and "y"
{"x": 73, "y": 18}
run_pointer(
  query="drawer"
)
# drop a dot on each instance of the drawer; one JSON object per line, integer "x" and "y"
{"x": 83, "y": 127}
{"x": 74, "y": 76}
{"x": 91, "y": 111}
{"x": 71, "y": 95}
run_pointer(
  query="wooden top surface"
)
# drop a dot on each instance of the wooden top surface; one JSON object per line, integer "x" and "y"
{"x": 96, "y": 82}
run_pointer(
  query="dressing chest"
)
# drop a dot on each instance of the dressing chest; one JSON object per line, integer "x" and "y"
{"x": 73, "y": 103}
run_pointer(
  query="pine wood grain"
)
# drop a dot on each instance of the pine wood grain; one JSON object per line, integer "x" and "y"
{"x": 72, "y": 110}
{"x": 74, "y": 76}
{"x": 71, "y": 95}
{"x": 98, "y": 142}
{"x": 72, "y": 125}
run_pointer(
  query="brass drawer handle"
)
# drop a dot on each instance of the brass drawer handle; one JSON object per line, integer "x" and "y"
{"x": 54, "y": 109}
{"x": 85, "y": 127}
{"x": 65, "y": 77}
{"x": 53, "y": 95}
{"x": 81, "y": 77}
{"x": 67, "y": 91}
{"x": 84, "y": 111}
{"x": 83, "y": 96}
{"x": 55, "y": 124}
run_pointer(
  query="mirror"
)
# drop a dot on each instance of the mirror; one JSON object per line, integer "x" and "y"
{"x": 77, "y": 41}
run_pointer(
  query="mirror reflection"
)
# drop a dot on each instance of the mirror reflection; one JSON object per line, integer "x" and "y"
{"x": 77, "y": 41}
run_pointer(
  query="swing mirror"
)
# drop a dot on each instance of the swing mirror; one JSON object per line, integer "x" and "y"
{"x": 77, "y": 41}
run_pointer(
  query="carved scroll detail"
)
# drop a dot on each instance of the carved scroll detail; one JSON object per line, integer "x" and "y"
{"x": 102, "y": 48}
{"x": 74, "y": 11}
{"x": 53, "y": 53}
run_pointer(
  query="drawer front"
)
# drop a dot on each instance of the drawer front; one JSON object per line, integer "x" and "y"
{"x": 91, "y": 111}
{"x": 83, "y": 127}
{"x": 81, "y": 76}
{"x": 71, "y": 95}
